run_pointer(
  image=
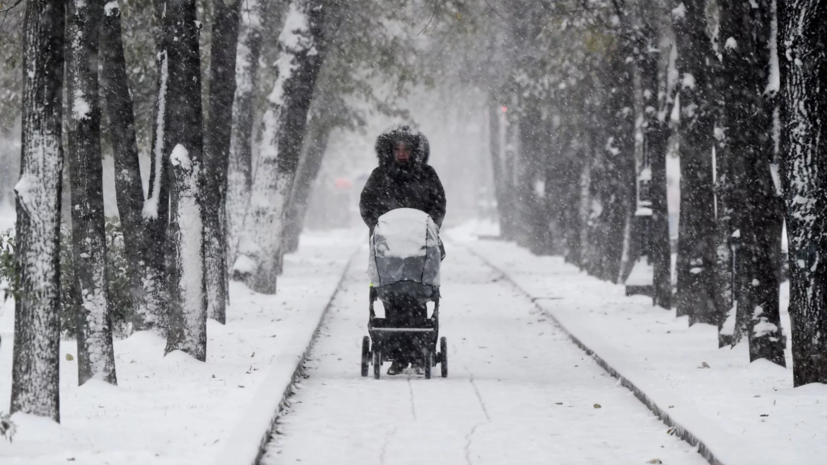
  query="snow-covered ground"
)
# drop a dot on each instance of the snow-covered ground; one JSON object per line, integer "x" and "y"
{"x": 746, "y": 414}
{"x": 173, "y": 409}
{"x": 518, "y": 390}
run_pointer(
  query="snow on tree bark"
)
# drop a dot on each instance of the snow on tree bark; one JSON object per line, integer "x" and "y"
{"x": 96, "y": 355}
{"x": 187, "y": 290}
{"x": 803, "y": 61}
{"x": 155, "y": 211}
{"x": 35, "y": 364}
{"x": 216, "y": 152}
{"x": 300, "y": 58}
{"x": 697, "y": 289}
{"x": 183, "y": 141}
{"x": 754, "y": 207}
{"x": 240, "y": 167}
{"x": 128, "y": 188}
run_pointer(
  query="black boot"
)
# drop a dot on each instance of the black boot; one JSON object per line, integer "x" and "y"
{"x": 397, "y": 367}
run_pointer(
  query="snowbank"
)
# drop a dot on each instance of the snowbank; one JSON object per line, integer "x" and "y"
{"x": 739, "y": 413}
{"x": 173, "y": 409}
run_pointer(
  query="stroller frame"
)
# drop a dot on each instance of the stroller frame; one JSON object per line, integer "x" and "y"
{"x": 424, "y": 335}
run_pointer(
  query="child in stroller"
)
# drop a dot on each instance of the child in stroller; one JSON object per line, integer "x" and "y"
{"x": 404, "y": 271}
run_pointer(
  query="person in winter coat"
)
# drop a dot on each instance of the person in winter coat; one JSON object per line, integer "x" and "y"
{"x": 403, "y": 179}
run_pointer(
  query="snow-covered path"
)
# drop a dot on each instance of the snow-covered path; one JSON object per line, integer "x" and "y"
{"x": 518, "y": 391}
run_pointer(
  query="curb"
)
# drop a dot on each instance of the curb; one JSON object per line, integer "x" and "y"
{"x": 678, "y": 429}
{"x": 226, "y": 457}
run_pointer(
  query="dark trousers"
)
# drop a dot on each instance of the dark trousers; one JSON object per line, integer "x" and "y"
{"x": 404, "y": 312}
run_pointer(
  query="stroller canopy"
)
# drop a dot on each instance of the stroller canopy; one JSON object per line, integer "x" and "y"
{"x": 404, "y": 247}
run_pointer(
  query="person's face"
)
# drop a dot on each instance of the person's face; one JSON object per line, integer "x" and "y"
{"x": 402, "y": 152}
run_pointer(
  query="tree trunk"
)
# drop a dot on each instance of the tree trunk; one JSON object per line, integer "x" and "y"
{"x": 183, "y": 141}
{"x": 216, "y": 154}
{"x": 584, "y": 197}
{"x": 155, "y": 212}
{"x": 656, "y": 139}
{"x": 311, "y": 163}
{"x": 620, "y": 157}
{"x": 557, "y": 185}
{"x": 36, "y": 362}
{"x": 96, "y": 355}
{"x": 755, "y": 210}
{"x": 595, "y": 224}
{"x": 697, "y": 290}
{"x": 240, "y": 168}
{"x": 327, "y": 112}
{"x": 623, "y": 154}
{"x": 495, "y": 148}
{"x": 128, "y": 189}
{"x": 569, "y": 212}
{"x": 531, "y": 224}
{"x": 804, "y": 133}
{"x": 571, "y": 173}
{"x": 508, "y": 220}
{"x": 727, "y": 206}
{"x": 609, "y": 126}
{"x": 589, "y": 178}
{"x": 660, "y": 249}
{"x": 300, "y": 57}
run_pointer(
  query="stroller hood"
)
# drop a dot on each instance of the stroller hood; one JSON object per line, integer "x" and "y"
{"x": 404, "y": 247}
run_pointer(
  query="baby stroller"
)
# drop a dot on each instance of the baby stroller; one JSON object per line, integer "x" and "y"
{"x": 404, "y": 270}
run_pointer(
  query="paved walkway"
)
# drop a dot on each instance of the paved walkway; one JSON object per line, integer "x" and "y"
{"x": 518, "y": 391}
{"x": 741, "y": 413}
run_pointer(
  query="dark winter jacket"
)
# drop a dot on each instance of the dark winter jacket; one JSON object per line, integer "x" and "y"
{"x": 412, "y": 185}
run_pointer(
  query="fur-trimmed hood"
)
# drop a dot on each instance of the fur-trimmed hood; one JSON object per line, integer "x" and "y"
{"x": 420, "y": 148}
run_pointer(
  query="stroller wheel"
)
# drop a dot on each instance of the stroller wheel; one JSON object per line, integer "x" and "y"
{"x": 365, "y": 355}
{"x": 427, "y": 361}
{"x": 377, "y": 362}
{"x": 443, "y": 356}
